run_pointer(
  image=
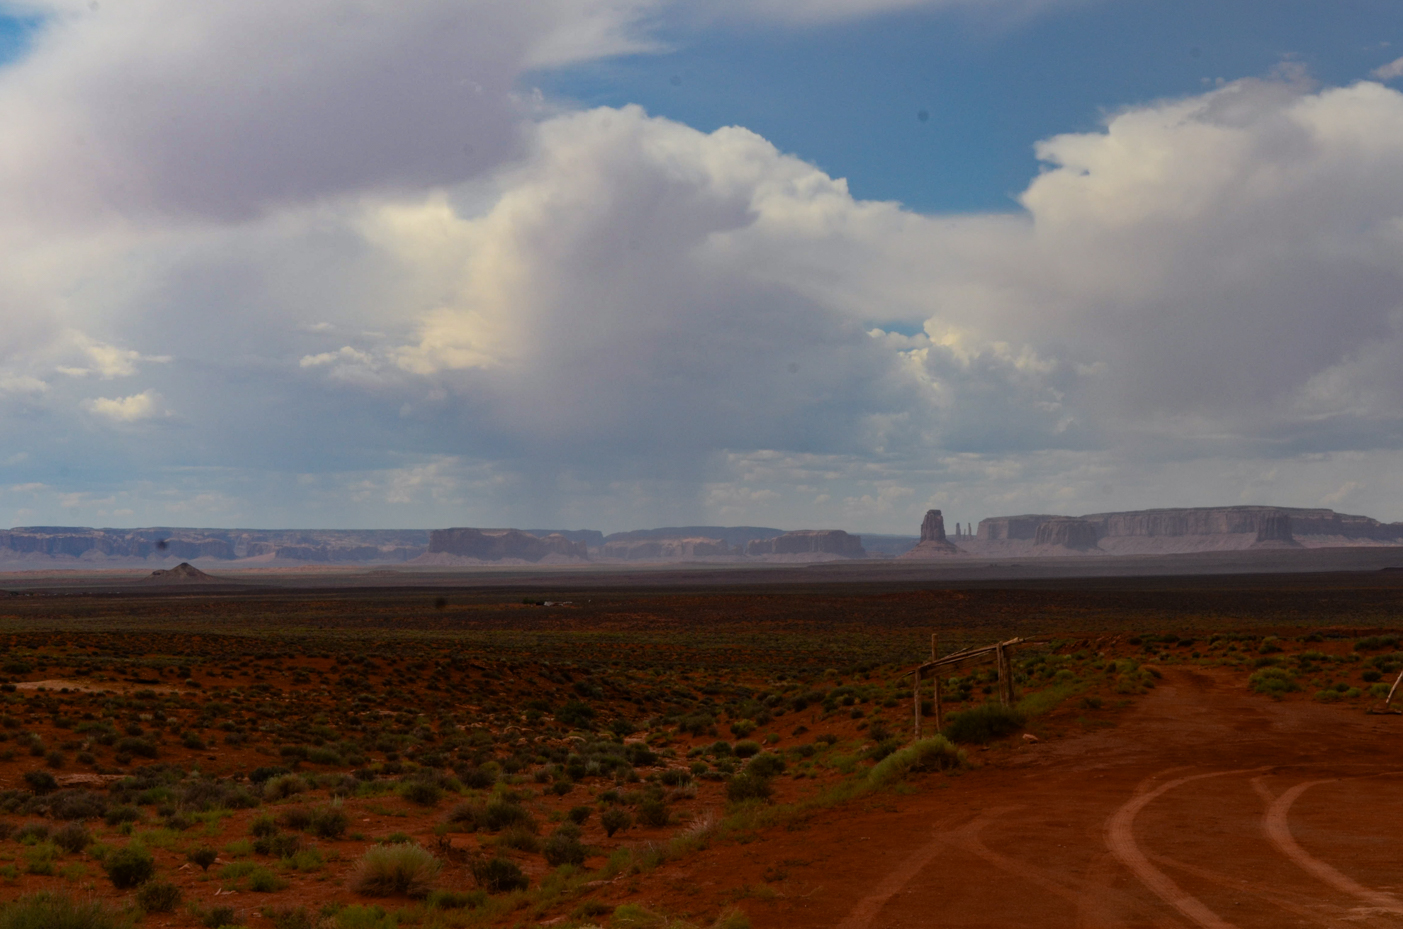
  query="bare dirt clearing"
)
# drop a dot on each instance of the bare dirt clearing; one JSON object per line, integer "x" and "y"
{"x": 1203, "y": 806}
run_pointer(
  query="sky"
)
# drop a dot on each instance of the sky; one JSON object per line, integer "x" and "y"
{"x": 626, "y": 263}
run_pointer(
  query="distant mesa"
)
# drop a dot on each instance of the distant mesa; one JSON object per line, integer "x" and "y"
{"x": 684, "y": 549}
{"x": 502, "y": 544}
{"x": 184, "y": 571}
{"x": 933, "y": 542}
{"x": 1179, "y": 531}
{"x": 831, "y": 542}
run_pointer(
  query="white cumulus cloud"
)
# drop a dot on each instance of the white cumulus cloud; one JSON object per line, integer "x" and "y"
{"x": 145, "y": 405}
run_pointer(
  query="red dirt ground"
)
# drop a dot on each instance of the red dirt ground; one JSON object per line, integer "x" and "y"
{"x": 1203, "y": 806}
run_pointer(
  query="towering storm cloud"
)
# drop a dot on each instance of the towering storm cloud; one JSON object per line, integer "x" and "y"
{"x": 337, "y": 265}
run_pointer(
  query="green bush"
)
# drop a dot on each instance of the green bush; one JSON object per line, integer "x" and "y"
{"x": 283, "y": 786}
{"x": 564, "y": 848}
{"x": 329, "y": 822}
{"x": 263, "y": 881}
{"x": 202, "y": 857}
{"x": 983, "y": 723}
{"x": 500, "y": 814}
{"x": 129, "y": 866}
{"x": 748, "y": 786}
{"x": 456, "y": 899}
{"x": 746, "y": 748}
{"x": 421, "y": 793}
{"x": 73, "y": 837}
{"x": 217, "y": 916}
{"x": 579, "y": 814}
{"x": 41, "y": 782}
{"x": 1272, "y": 681}
{"x": 766, "y": 765}
{"x": 395, "y": 869}
{"x": 653, "y": 812}
{"x": 158, "y": 897}
{"x": 499, "y": 875}
{"x": 934, "y": 754}
{"x": 53, "y": 911}
{"x": 615, "y": 819}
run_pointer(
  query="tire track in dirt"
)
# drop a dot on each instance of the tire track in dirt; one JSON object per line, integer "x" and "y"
{"x": 866, "y": 910}
{"x": 1091, "y": 899}
{"x": 1278, "y": 831}
{"x": 1300, "y": 905}
{"x": 1120, "y": 839}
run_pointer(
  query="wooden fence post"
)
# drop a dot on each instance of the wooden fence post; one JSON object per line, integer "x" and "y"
{"x": 1001, "y": 661}
{"x": 916, "y": 690}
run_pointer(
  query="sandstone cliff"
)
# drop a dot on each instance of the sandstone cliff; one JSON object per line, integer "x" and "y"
{"x": 665, "y": 549}
{"x": 933, "y": 543}
{"x": 80, "y": 545}
{"x": 499, "y": 544}
{"x": 833, "y": 542}
{"x": 1181, "y": 530}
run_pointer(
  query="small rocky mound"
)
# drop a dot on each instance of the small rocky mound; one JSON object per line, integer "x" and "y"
{"x": 184, "y": 571}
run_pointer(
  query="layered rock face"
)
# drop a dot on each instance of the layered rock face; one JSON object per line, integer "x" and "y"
{"x": 665, "y": 549}
{"x": 1177, "y": 531}
{"x": 1066, "y": 532}
{"x": 61, "y": 544}
{"x": 497, "y": 544}
{"x": 810, "y": 542}
{"x": 933, "y": 543}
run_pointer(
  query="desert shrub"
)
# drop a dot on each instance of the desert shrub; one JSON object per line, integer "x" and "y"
{"x": 158, "y": 896}
{"x": 133, "y": 745}
{"x": 575, "y": 713}
{"x": 217, "y": 916}
{"x": 126, "y": 813}
{"x": 77, "y": 804}
{"x": 615, "y": 819}
{"x": 766, "y": 765}
{"x": 1272, "y": 681}
{"x": 262, "y": 775}
{"x": 934, "y": 754}
{"x": 579, "y": 814}
{"x": 696, "y": 724}
{"x": 283, "y": 786}
{"x": 54, "y": 911}
{"x": 466, "y": 815}
{"x": 746, "y": 748}
{"x": 1375, "y": 643}
{"x": 500, "y": 814}
{"x": 748, "y": 786}
{"x": 456, "y": 899}
{"x": 499, "y": 875}
{"x": 279, "y": 845}
{"x": 395, "y": 869}
{"x": 263, "y": 826}
{"x": 290, "y": 918}
{"x": 41, "y": 782}
{"x": 261, "y": 880}
{"x": 519, "y": 838}
{"x": 653, "y": 812}
{"x": 202, "y": 857}
{"x": 297, "y": 817}
{"x": 129, "y": 866}
{"x": 564, "y": 847}
{"x": 329, "y": 822}
{"x": 983, "y": 723}
{"x": 478, "y": 778}
{"x": 73, "y": 837}
{"x": 422, "y": 793}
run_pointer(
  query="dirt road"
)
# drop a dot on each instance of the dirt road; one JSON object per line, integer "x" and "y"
{"x": 1204, "y": 806}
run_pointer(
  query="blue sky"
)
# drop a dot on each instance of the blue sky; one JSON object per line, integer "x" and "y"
{"x": 588, "y": 263}
{"x": 848, "y": 96}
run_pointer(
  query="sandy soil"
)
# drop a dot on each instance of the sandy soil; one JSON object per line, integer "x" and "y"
{"x": 1203, "y": 806}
